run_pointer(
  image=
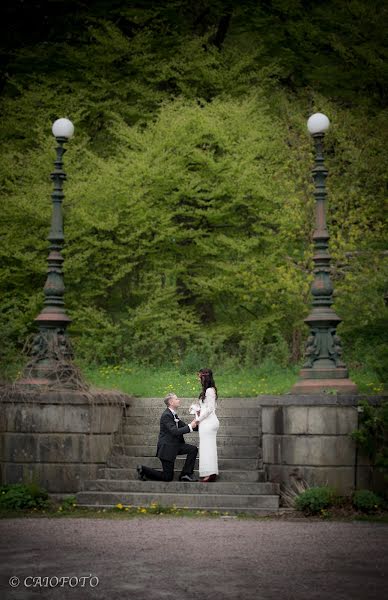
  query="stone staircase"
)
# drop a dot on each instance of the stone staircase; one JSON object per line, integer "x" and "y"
{"x": 241, "y": 485}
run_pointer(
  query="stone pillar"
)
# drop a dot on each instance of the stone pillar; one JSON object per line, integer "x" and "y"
{"x": 56, "y": 437}
{"x": 308, "y": 437}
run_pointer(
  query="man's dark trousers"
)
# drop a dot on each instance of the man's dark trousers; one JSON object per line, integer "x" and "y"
{"x": 168, "y": 465}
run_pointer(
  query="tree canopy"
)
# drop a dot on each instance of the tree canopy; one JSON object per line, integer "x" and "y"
{"x": 189, "y": 206}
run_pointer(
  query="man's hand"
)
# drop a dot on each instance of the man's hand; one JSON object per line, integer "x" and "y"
{"x": 194, "y": 423}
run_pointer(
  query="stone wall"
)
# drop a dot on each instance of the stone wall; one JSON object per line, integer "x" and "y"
{"x": 57, "y": 438}
{"x": 308, "y": 437}
{"x": 60, "y": 438}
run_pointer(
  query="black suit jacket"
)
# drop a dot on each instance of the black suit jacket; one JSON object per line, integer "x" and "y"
{"x": 170, "y": 436}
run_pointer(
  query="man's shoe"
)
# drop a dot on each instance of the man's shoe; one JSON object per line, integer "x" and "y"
{"x": 188, "y": 478}
{"x": 140, "y": 473}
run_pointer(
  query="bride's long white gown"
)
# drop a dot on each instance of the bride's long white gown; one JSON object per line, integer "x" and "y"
{"x": 208, "y": 427}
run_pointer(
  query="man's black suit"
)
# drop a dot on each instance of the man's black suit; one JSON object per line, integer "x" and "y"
{"x": 171, "y": 443}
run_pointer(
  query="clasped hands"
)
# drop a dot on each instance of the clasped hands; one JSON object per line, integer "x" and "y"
{"x": 195, "y": 422}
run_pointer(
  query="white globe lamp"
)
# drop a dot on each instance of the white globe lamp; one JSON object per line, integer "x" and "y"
{"x": 318, "y": 123}
{"x": 63, "y": 128}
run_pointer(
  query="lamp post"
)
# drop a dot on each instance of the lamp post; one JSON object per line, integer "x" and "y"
{"x": 50, "y": 353}
{"x": 323, "y": 367}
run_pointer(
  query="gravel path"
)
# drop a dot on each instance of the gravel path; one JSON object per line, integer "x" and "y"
{"x": 170, "y": 558}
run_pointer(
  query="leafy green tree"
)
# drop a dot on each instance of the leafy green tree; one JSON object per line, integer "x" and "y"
{"x": 189, "y": 206}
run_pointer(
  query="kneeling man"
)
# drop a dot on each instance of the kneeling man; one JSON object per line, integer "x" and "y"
{"x": 171, "y": 443}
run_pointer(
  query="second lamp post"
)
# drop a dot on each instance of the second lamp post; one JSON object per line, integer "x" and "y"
{"x": 323, "y": 367}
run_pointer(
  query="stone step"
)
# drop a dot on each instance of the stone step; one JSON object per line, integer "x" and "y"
{"x": 251, "y": 451}
{"x": 179, "y": 487}
{"x": 223, "y": 475}
{"x": 153, "y": 421}
{"x": 208, "y": 501}
{"x": 243, "y": 464}
{"x": 142, "y": 410}
{"x": 144, "y": 426}
{"x": 151, "y": 438}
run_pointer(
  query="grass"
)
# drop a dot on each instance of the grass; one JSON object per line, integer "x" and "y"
{"x": 45, "y": 506}
{"x": 232, "y": 381}
{"x": 122, "y": 512}
{"x": 151, "y": 381}
{"x": 145, "y": 381}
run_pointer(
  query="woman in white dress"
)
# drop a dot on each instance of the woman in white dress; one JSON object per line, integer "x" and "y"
{"x": 208, "y": 427}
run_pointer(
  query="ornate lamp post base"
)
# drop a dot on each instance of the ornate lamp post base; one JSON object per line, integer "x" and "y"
{"x": 51, "y": 361}
{"x": 308, "y": 385}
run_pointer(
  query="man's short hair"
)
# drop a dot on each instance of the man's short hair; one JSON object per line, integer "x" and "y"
{"x": 168, "y": 398}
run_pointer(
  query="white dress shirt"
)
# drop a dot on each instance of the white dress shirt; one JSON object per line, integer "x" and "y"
{"x": 174, "y": 413}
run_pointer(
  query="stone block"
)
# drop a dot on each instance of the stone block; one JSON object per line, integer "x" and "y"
{"x": 76, "y": 419}
{"x": 20, "y": 447}
{"x": 53, "y": 477}
{"x": 96, "y": 448}
{"x": 60, "y": 447}
{"x": 326, "y": 420}
{"x": 306, "y": 450}
{"x": 65, "y": 478}
{"x": 105, "y": 418}
{"x": 13, "y": 472}
{"x": 48, "y": 418}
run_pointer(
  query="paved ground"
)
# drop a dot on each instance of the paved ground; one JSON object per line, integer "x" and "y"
{"x": 172, "y": 558}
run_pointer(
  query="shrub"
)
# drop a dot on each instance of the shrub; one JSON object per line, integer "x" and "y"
{"x": 366, "y": 501}
{"x": 193, "y": 361}
{"x": 315, "y": 499}
{"x": 68, "y": 504}
{"x": 372, "y": 435}
{"x": 20, "y": 496}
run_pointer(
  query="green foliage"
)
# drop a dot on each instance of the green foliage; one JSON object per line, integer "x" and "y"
{"x": 188, "y": 208}
{"x": 372, "y": 434}
{"x": 378, "y": 362}
{"x": 315, "y": 499}
{"x": 366, "y": 501}
{"x": 20, "y": 496}
{"x": 68, "y": 504}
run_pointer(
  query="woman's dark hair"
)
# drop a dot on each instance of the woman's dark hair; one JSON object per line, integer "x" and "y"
{"x": 207, "y": 381}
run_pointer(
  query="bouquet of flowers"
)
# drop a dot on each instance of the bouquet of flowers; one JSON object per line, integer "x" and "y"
{"x": 194, "y": 408}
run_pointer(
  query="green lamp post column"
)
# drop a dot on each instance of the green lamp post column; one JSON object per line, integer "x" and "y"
{"x": 323, "y": 367}
{"x": 50, "y": 353}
